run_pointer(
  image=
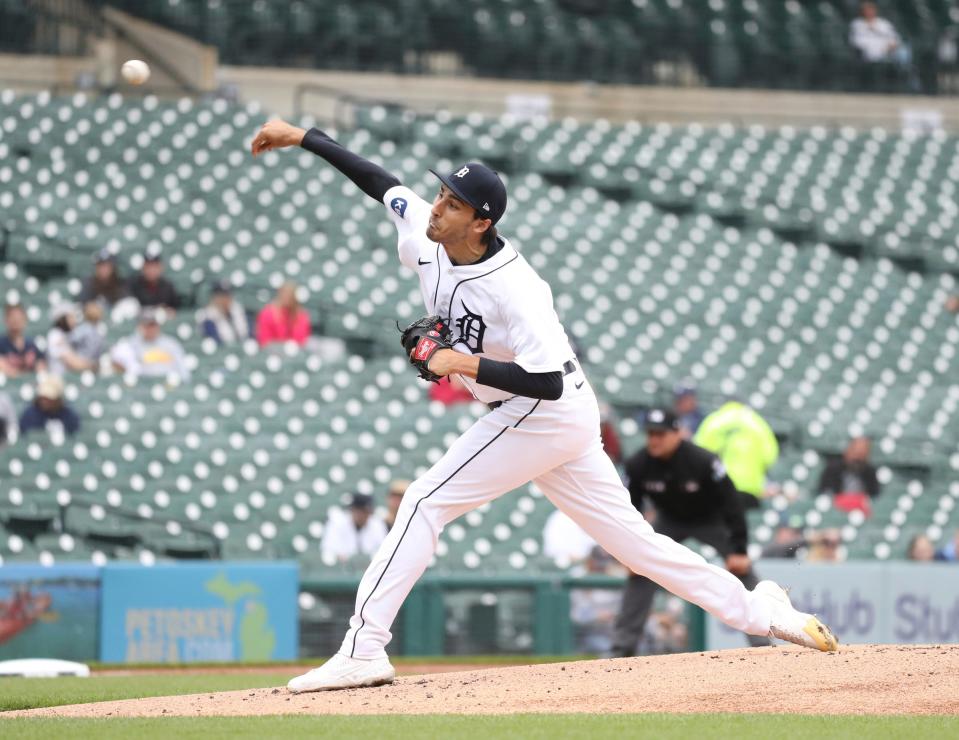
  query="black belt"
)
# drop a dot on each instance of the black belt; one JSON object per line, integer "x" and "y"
{"x": 569, "y": 367}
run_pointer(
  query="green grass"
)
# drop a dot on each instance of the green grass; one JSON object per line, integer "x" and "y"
{"x": 528, "y": 727}
{"x": 18, "y": 693}
{"x": 26, "y": 693}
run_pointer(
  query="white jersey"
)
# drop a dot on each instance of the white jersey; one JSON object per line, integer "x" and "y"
{"x": 342, "y": 540}
{"x": 498, "y": 308}
{"x": 874, "y": 40}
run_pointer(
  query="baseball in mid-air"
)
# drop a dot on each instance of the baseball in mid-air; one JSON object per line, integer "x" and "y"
{"x": 135, "y": 71}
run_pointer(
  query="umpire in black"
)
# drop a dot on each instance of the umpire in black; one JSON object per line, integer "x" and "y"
{"x": 693, "y": 498}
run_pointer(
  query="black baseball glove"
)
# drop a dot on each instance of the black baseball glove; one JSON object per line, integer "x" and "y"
{"x": 424, "y": 338}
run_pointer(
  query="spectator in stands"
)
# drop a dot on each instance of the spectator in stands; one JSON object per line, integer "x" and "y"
{"x": 950, "y": 551}
{"x": 61, "y": 355}
{"x": 49, "y": 411}
{"x": 787, "y": 539}
{"x": 665, "y": 631}
{"x": 151, "y": 289}
{"x": 593, "y": 610}
{"x": 874, "y": 38}
{"x": 150, "y": 353}
{"x": 393, "y": 500}
{"x": 18, "y": 353}
{"x": 564, "y": 541}
{"x": 952, "y": 304}
{"x": 359, "y": 532}
{"x": 608, "y": 434}
{"x": 824, "y": 546}
{"x": 745, "y": 443}
{"x": 449, "y": 391}
{"x": 105, "y": 284}
{"x": 8, "y": 421}
{"x": 88, "y": 339}
{"x": 921, "y": 549}
{"x": 283, "y": 320}
{"x": 224, "y": 319}
{"x": 686, "y": 408}
{"x": 851, "y": 479}
{"x": 877, "y": 42}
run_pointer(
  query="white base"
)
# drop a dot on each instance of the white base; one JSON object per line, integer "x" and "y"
{"x": 43, "y": 668}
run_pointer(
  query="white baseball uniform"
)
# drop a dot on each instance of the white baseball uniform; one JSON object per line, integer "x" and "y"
{"x": 499, "y": 308}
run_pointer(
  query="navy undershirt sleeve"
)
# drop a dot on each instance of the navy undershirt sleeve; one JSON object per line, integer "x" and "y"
{"x": 510, "y": 377}
{"x": 369, "y": 177}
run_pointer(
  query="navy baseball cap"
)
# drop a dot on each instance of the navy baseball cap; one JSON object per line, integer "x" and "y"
{"x": 478, "y": 185}
{"x": 361, "y": 501}
{"x": 152, "y": 254}
{"x": 661, "y": 420}
{"x": 221, "y": 287}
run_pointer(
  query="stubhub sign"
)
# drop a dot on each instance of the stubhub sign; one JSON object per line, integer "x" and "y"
{"x": 191, "y": 612}
{"x": 865, "y": 602}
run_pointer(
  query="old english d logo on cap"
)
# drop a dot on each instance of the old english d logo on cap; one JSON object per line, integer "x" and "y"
{"x": 479, "y": 186}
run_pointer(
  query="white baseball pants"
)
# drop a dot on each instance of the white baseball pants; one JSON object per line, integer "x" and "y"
{"x": 557, "y": 445}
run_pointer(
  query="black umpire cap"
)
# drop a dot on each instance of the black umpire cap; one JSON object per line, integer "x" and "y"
{"x": 479, "y": 186}
{"x": 661, "y": 420}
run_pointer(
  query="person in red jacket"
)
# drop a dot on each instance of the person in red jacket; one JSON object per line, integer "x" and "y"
{"x": 449, "y": 391}
{"x": 283, "y": 320}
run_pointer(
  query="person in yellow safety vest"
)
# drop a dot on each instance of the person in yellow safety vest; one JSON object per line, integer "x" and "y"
{"x": 745, "y": 443}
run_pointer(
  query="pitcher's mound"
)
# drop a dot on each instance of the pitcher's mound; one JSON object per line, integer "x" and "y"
{"x": 861, "y": 679}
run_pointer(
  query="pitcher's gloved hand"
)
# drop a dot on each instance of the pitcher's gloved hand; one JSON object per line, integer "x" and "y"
{"x": 424, "y": 338}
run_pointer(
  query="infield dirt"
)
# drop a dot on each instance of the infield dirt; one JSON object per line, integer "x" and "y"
{"x": 860, "y": 679}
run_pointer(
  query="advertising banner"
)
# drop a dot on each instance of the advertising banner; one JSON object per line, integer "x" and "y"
{"x": 49, "y": 612}
{"x": 865, "y": 602}
{"x": 199, "y": 612}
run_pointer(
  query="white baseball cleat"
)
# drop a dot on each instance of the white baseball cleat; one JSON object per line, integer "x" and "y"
{"x": 795, "y": 626}
{"x": 341, "y": 672}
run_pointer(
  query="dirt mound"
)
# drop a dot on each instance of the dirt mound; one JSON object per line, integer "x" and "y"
{"x": 404, "y": 669}
{"x": 862, "y": 679}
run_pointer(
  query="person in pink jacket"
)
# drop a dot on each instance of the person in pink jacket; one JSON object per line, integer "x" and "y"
{"x": 283, "y": 320}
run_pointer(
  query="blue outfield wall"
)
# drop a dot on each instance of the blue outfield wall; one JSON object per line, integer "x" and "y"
{"x": 868, "y": 602}
{"x": 191, "y": 612}
{"x": 49, "y": 611}
{"x": 236, "y": 611}
{"x": 127, "y": 613}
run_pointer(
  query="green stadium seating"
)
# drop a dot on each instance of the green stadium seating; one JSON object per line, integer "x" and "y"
{"x": 725, "y": 43}
{"x": 779, "y": 264}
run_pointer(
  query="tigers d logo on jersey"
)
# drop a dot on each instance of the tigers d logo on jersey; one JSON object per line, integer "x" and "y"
{"x": 398, "y": 206}
{"x": 471, "y": 328}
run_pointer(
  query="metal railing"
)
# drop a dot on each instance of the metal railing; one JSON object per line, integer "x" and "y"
{"x": 502, "y": 614}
